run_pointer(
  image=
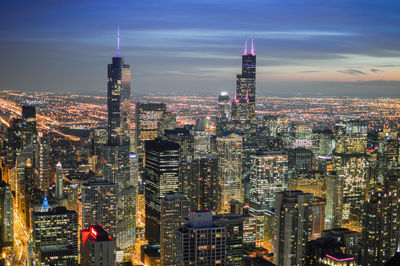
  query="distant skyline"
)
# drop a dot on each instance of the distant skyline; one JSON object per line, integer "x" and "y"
{"x": 303, "y": 48}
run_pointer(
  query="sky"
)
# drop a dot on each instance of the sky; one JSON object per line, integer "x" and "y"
{"x": 303, "y": 48}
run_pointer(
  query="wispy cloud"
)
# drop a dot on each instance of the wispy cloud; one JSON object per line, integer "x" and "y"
{"x": 352, "y": 72}
{"x": 374, "y": 70}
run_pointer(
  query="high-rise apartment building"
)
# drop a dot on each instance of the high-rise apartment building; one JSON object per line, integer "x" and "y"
{"x": 200, "y": 241}
{"x": 43, "y": 160}
{"x": 223, "y": 113}
{"x": 6, "y": 214}
{"x": 268, "y": 175}
{"x": 293, "y": 226}
{"x": 380, "y": 228}
{"x": 59, "y": 182}
{"x": 174, "y": 208}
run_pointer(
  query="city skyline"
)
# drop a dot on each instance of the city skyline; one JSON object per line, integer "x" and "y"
{"x": 343, "y": 49}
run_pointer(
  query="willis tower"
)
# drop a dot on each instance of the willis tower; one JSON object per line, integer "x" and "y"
{"x": 244, "y": 102}
{"x": 116, "y": 163}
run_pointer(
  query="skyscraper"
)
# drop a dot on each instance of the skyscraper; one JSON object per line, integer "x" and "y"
{"x": 230, "y": 152}
{"x": 380, "y": 228}
{"x": 55, "y": 236}
{"x": 244, "y": 102}
{"x": 98, "y": 203}
{"x": 28, "y": 127}
{"x": 174, "y": 208}
{"x": 161, "y": 176}
{"x": 43, "y": 160}
{"x": 147, "y": 119}
{"x": 6, "y": 214}
{"x": 116, "y": 163}
{"x": 268, "y": 175}
{"x": 59, "y": 182}
{"x": 200, "y": 241}
{"x": 223, "y": 113}
{"x": 293, "y": 226}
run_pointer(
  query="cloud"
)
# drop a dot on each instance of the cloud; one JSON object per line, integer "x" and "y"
{"x": 309, "y": 71}
{"x": 374, "y": 70}
{"x": 352, "y": 72}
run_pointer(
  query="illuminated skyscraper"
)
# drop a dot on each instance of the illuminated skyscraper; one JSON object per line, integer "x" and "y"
{"x": 230, "y": 152}
{"x": 293, "y": 226}
{"x": 116, "y": 153}
{"x": 43, "y": 160}
{"x": 244, "y": 102}
{"x": 55, "y": 236}
{"x": 334, "y": 200}
{"x": 161, "y": 176}
{"x": 28, "y": 127}
{"x": 98, "y": 203}
{"x": 380, "y": 228}
{"x": 59, "y": 182}
{"x": 200, "y": 241}
{"x": 148, "y": 118}
{"x": 268, "y": 175}
{"x": 6, "y": 214}
{"x": 174, "y": 208}
{"x": 223, "y": 113}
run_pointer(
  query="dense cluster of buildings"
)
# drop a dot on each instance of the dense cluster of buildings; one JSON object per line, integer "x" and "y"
{"x": 236, "y": 188}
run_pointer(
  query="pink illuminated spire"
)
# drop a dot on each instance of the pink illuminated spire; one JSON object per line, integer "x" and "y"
{"x": 245, "y": 47}
{"x": 252, "y": 47}
{"x": 118, "y": 43}
{"x": 235, "y": 100}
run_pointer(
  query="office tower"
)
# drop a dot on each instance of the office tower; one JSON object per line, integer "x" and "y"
{"x": 380, "y": 228}
{"x": 317, "y": 249}
{"x": 230, "y": 150}
{"x": 97, "y": 247}
{"x": 201, "y": 144}
{"x": 185, "y": 139}
{"x": 43, "y": 160}
{"x": 293, "y": 226}
{"x": 348, "y": 239}
{"x": 223, "y": 113}
{"x": 26, "y": 193}
{"x": 200, "y": 241}
{"x": 160, "y": 177}
{"x": 318, "y": 218}
{"x": 6, "y": 215}
{"x": 268, "y": 175}
{"x": 28, "y": 126}
{"x": 324, "y": 146}
{"x": 174, "y": 208}
{"x": 167, "y": 122}
{"x": 244, "y": 102}
{"x": 300, "y": 159}
{"x": 147, "y": 120}
{"x": 55, "y": 236}
{"x": 98, "y": 205}
{"x": 334, "y": 200}
{"x": 209, "y": 185}
{"x": 59, "y": 182}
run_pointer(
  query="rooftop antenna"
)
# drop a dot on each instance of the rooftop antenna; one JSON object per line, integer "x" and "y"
{"x": 252, "y": 47}
{"x": 245, "y": 47}
{"x": 118, "y": 43}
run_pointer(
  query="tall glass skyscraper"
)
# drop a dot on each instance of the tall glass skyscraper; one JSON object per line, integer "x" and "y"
{"x": 244, "y": 102}
{"x": 116, "y": 162}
